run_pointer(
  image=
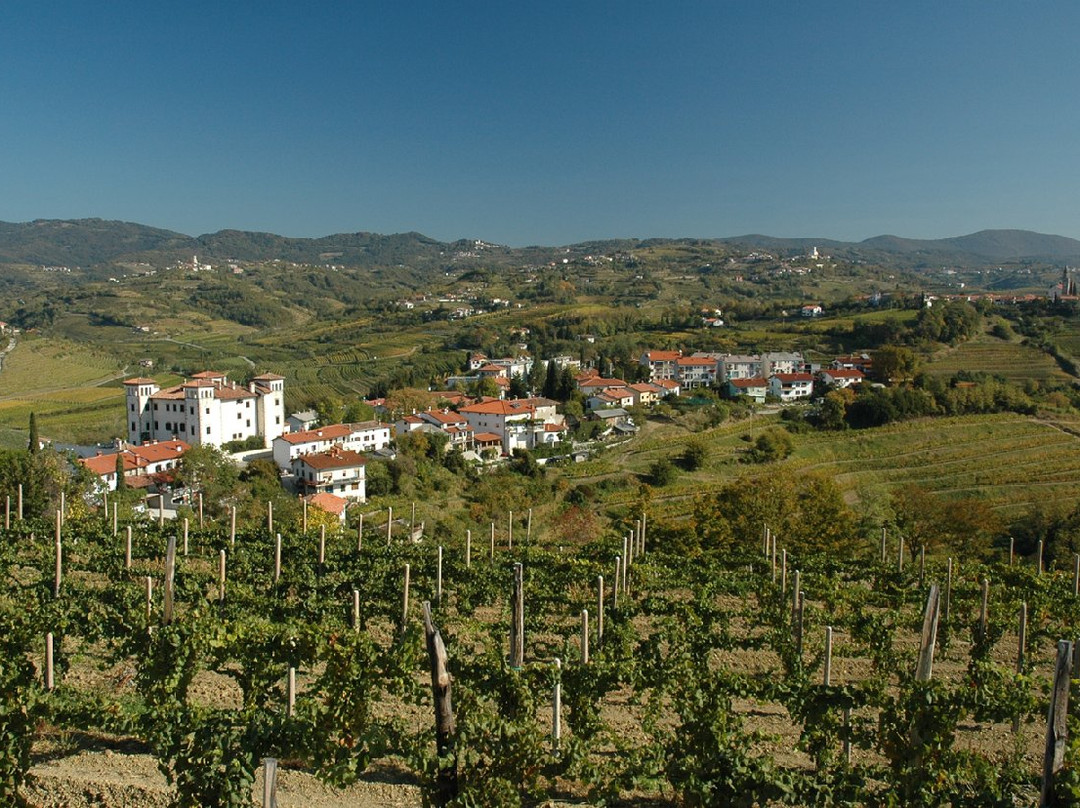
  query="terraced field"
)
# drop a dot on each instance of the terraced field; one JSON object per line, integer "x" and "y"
{"x": 1011, "y": 360}
{"x": 1011, "y": 461}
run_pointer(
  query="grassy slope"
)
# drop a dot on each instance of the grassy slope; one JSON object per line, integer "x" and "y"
{"x": 1011, "y": 461}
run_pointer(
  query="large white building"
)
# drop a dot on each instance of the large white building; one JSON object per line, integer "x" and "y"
{"x": 208, "y": 410}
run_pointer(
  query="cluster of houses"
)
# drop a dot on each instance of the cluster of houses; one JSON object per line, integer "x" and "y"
{"x": 327, "y": 463}
{"x": 785, "y": 375}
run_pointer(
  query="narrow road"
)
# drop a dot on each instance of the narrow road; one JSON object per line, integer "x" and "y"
{"x": 10, "y": 347}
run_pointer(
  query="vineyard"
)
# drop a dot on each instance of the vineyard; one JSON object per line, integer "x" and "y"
{"x": 747, "y": 676}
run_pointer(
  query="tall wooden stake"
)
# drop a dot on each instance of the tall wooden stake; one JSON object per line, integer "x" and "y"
{"x": 1056, "y": 717}
{"x": 928, "y": 639}
{"x": 49, "y": 661}
{"x": 948, "y": 592}
{"x": 270, "y": 517}
{"x": 510, "y": 531}
{"x": 277, "y": 558}
{"x": 1040, "y": 558}
{"x": 405, "y": 602}
{"x": 185, "y": 536}
{"x": 556, "y": 707}
{"x": 127, "y": 549}
{"x": 827, "y": 673}
{"x": 1021, "y": 641}
{"x": 290, "y": 694}
{"x": 445, "y": 726}
{"x": 438, "y": 578}
{"x": 303, "y": 527}
{"x": 468, "y": 549}
{"x": 585, "y": 636}
{"x": 201, "y": 523}
{"x": 599, "y": 610}
{"x": 232, "y": 525}
{"x": 149, "y": 596}
{"x": 615, "y": 583}
{"x": 59, "y": 560}
{"x": 492, "y": 541}
{"x": 170, "y": 579}
{"x": 269, "y": 783}
{"x": 984, "y": 611}
{"x": 356, "y": 609}
{"x": 517, "y": 619}
{"x": 221, "y": 576}
{"x": 883, "y": 545}
{"x": 360, "y": 534}
{"x": 389, "y": 525}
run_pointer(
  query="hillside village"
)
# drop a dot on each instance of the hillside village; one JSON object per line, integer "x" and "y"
{"x": 326, "y": 463}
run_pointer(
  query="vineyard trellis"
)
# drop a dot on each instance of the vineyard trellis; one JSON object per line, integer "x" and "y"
{"x": 655, "y": 697}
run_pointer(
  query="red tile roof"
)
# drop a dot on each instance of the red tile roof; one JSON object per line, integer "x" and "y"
{"x": 328, "y": 502}
{"x": 333, "y": 459}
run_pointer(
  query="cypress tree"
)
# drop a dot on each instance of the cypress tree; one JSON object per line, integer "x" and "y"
{"x": 32, "y": 444}
{"x": 121, "y": 482}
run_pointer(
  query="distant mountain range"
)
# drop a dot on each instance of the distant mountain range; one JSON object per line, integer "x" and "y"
{"x": 91, "y": 243}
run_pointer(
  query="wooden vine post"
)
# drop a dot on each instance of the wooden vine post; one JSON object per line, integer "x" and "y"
{"x": 170, "y": 578}
{"x": 185, "y": 536}
{"x": 556, "y": 707}
{"x": 277, "y": 559}
{"x": 232, "y": 522}
{"x": 49, "y": 669}
{"x": 599, "y": 610}
{"x": 468, "y": 549}
{"x": 389, "y": 524}
{"x": 59, "y": 559}
{"x": 201, "y": 524}
{"x": 928, "y": 638}
{"x": 1056, "y": 726}
{"x": 438, "y": 577}
{"x": 1021, "y": 641}
{"x": 221, "y": 576}
{"x": 510, "y": 531}
{"x": 517, "y": 619}
{"x": 19, "y": 497}
{"x": 127, "y": 550}
{"x": 360, "y": 534}
{"x": 269, "y": 783}
{"x": 269, "y": 517}
{"x": 585, "y": 636}
{"x": 405, "y": 602}
{"x": 446, "y": 779}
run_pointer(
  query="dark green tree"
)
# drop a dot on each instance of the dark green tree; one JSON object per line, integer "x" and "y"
{"x": 34, "y": 443}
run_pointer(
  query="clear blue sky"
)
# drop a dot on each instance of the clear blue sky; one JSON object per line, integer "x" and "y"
{"x": 544, "y": 124}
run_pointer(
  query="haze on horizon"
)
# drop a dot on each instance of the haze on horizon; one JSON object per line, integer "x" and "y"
{"x": 547, "y": 124}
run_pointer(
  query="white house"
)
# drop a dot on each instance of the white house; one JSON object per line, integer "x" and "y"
{"x": 661, "y": 364}
{"x": 368, "y": 436}
{"x": 696, "y": 371}
{"x": 756, "y": 389}
{"x": 791, "y": 386}
{"x": 337, "y": 471}
{"x": 208, "y": 410}
{"x": 736, "y": 366}
{"x": 521, "y": 423}
{"x": 842, "y": 377}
